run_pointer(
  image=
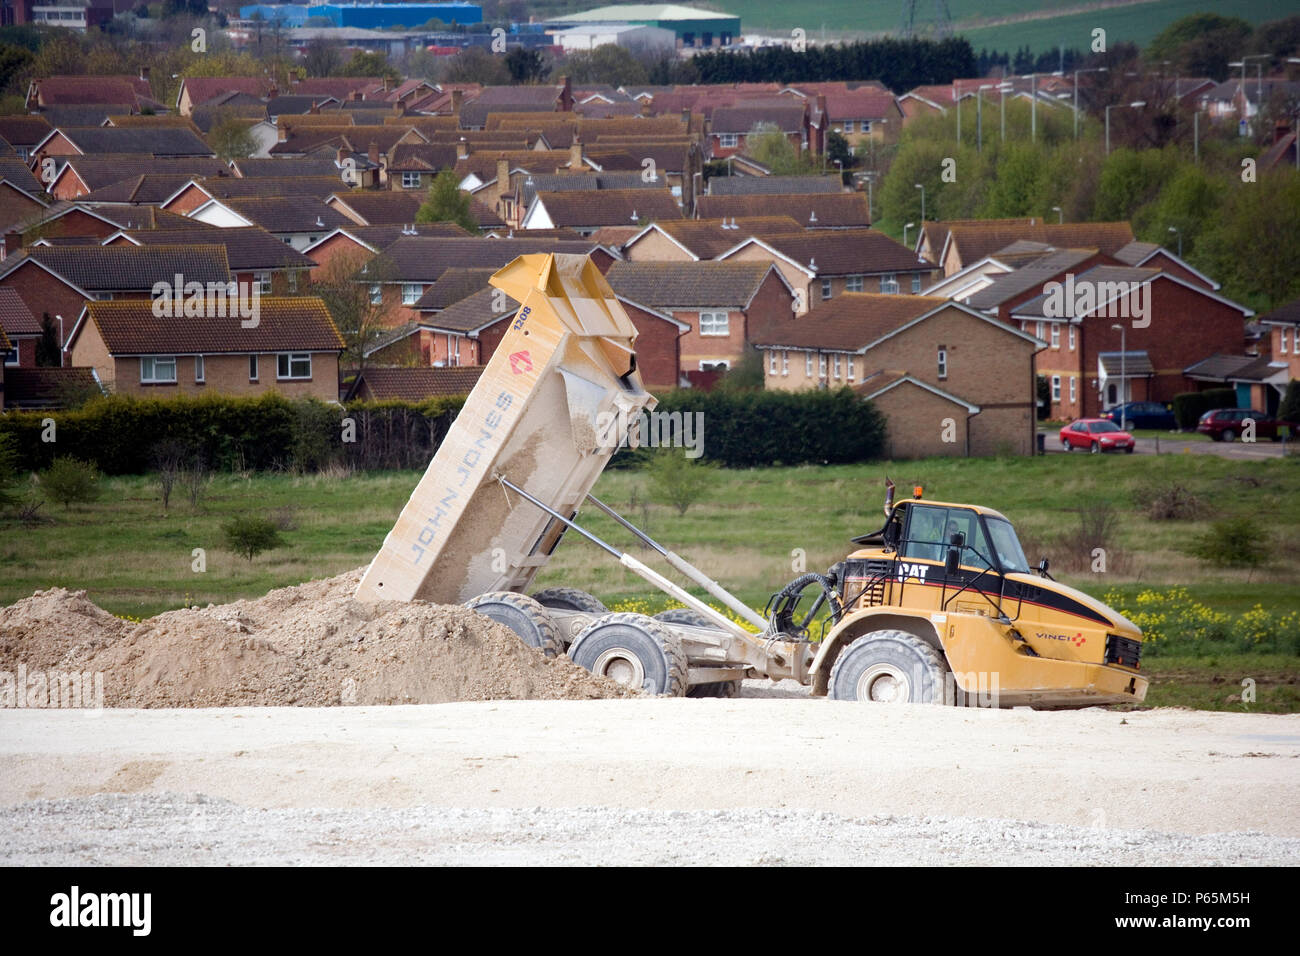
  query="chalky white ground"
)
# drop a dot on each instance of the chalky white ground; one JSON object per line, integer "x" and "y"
{"x": 657, "y": 781}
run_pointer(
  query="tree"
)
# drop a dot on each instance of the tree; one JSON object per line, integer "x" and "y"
{"x": 476, "y": 65}
{"x": 446, "y": 203}
{"x": 370, "y": 64}
{"x": 677, "y": 480}
{"x": 47, "y": 346}
{"x": 344, "y": 285}
{"x": 8, "y": 470}
{"x": 837, "y": 148}
{"x": 322, "y": 57}
{"x": 1289, "y": 410}
{"x": 70, "y": 480}
{"x": 1201, "y": 44}
{"x": 231, "y": 137}
{"x": 774, "y": 150}
{"x": 610, "y": 64}
{"x": 250, "y": 536}
{"x": 525, "y": 66}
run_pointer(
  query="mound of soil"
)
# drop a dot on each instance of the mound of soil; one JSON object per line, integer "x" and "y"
{"x": 57, "y": 628}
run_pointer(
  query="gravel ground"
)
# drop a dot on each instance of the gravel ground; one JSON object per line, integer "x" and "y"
{"x": 179, "y": 830}
{"x": 775, "y": 780}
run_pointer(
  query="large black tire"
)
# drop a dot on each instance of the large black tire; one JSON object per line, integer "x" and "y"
{"x": 722, "y": 688}
{"x": 524, "y": 616}
{"x": 684, "y": 615}
{"x": 890, "y": 666}
{"x": 635, "y": 650}
{"x": 570, "y": 599}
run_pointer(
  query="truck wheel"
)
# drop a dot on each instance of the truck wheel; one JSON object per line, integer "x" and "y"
{"x": 889, "y": 667}
{"x": 523, "y": 615}
{"x": 570, "y": 599}
{"x": 684, "y": 615}
{"x": 634, "y": 650}
{"x": 722, "y": 688}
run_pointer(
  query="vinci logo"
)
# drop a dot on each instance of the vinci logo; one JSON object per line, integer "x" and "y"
{"x": 1078, "y": 640}
{"x": 520, "y": 363}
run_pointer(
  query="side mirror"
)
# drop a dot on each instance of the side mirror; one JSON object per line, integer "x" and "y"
{"x": 951, "y": 563}
{"x": 1042, "y": 567}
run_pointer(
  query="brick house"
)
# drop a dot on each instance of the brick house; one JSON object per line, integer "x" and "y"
{"x": 21, "y": 328}
{"x": 299, "y": 221}
{"x": 960, "y": 242}
{"x": 585, "y": 212}
{"x": 731, "y": 125}
{"x": 690, "y": 240}
{"x": 1185, "y": 323}
{"x": 725, "y": 304}
{"x": 195, "y": 191}
{"x": 950, "y": 380}
{"x": 1148, "y": 255}
{"x": 75, "y": 177}
{"x": 294, "y": 349}
{"x": 821, "y": 265}
{"x": 254, "y": 256}
{"x": 809, "y": 210}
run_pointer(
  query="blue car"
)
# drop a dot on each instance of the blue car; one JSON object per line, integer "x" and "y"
{"x": 1142, "y": 415}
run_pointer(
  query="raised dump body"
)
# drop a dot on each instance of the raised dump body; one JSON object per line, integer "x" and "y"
{"x": 545, "y": 415}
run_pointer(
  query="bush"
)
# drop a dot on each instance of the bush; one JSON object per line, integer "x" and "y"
{"x": 1231, "y": 543}
{"x": 250, "y": 536}
{"x": 1289, "y": 410}
{"x": 8, "y": 472}
{"x": 677, "y": 480}
{"x": 1190, "y": 406}
{"x": 1173, "y": 622}
{"x": 70, "y": 480}
{"x": 1168, "y": 503}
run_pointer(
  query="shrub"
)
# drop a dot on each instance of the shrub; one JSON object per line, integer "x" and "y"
{"x": 1289, "y": 410}
{"x": 8, "y": 472}
{"x": 250, "y": 536}
{"x": 1096, "y": 530}
{"x": 1168, "y": 502}
{"x": 1237, "y": 542}
{"x": 1173, "y": 622}
{"x": 1190, "y": 406}
{"x": 677, "y": 480}
{"x": 70, "y": 481}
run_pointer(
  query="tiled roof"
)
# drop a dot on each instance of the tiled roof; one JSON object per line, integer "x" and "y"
{"x": 98, "y": 171}
{"x": 585, "y": 182}
{"x": 47, "y": 387}
{"x": 1133, "y": 363}
{"x": 422, "y": 157}
{"x": 473, "y": 312}
{"x": 305, "y": 138}
{"x": 848, "y": 252}
{"x": 766, "y": 185}
{"x": 742, "y": 118}
{"x": 15, "y": 317}
{"x": 609, "y": 207}
{"x": 150, "y": 140}
{"x": 1259, "y": 369}
{"x": 381, "y": 207}
{"x": 416, "y": 384}
{"x": 514, "y": 99}
{"x": 483, "y": 164}
{"x": 338, "y": 87}
{"x": 380, "y": 237}
{"x": 127, "y": 268}
{"x": 850, "y": 321}
{"x": 295, "y": 104}
{"x": 147, "y": 188}
{"x": 247, "y": 247}
{"x": 1033, "y": 308}
{"x": 667, "y": 157}
{"x": 14, "y": 170}
{"x": 1285, "y": 314}
{"x": 822, "y": 211}
{"x": 452, "y": 286}
{"x": 975, "y": 240}
{"x": 123, "y": 217}
{"x": 265, "y": 187}
{"x": 288, "y": 213}
{"x": 425, "y": 258}
{"x": 708, "y": 238}
{"x": 1219, "y": 367}
{"x": 1029, "y": 276}
{"x": 288, "y": 166}
{"x": 204, "y": 88}
{"x": 75, "y": 90}
{"x": 206, "y": 117}
{"x": 26, "y": 130}
{"x": 689, "y": 285}
{"x": 1135, "y": 252}
{"x": 300, "y": 323}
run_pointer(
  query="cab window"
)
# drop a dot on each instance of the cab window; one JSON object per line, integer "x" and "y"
{"x": 930, "y": 530}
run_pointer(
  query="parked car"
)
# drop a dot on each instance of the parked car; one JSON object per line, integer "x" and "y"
{"x": 1228, "y": 424}
{"x": 1096, "y": 435}
{"x": 1142, "y": 415}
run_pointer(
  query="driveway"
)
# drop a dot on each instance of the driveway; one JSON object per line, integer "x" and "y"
{"x": 1175, "y": 444}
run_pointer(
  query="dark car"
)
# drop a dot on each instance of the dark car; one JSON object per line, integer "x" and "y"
{"x": 1229, "y": 424}
{"x": 1096, "y": 435}
{"x": 1142, "y": 415}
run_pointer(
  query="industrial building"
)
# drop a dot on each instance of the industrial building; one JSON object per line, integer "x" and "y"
{"x": 366, "y": 16}
{"x": 630, "y": 36}
{"x": 694, "y": 28}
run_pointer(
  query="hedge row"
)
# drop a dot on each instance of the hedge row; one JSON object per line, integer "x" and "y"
{"x": 120, "y": 434}
{"x": 1190, "y": 406}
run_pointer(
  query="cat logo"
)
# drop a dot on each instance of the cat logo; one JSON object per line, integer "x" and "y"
{"x": 906, "y": 571}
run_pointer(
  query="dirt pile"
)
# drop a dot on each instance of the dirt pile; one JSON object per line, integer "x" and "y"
{"x": 310, "y": 645}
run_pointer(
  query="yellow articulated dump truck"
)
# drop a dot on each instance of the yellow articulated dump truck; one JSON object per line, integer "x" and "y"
{"x": 938, "y": 606}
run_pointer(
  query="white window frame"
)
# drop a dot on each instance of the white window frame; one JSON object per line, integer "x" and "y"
{"x": 728, "y": 140}
{"x": 1071, "y": 338}
{"x": 151, "y": 362}
{"x": 1056, "y": 388}
{"x": 785, "y": 363}
{"x": 288, "y": 360}
{"x": 719, "y": 365}
{"x": 916, "y": 283}
{"x": 821, "y": 364}
{"x": 826, "y": 289}
{"x": 889, "y": 283}
{"x": 851, "y": 372}
{"x": 410, "y": 180}
{"x": 1073, "y": 390}
{"x": 1038, "y": 331}
{"x": 11, "y": 358}
{"x": 292, "y": 280}
{"x": 1284, "y": 330}
{"x": 853, "y": 283}
{"x": 771, "y": 362}
{"x": 411, "y": 292}
{"x": 376, "y": 294}
{"x": 808, "y": 364}
{"x": 200, "y": 370}
{"x": 1056, "y": 335}
{"x": 848, "y": 126}
{"x": 718, "y": 324}
{"x": 942, "y": 359}
{"x": 263, "y": 280}
{"x": 835, "y": 364}
{"x": 453, "y": 350}
{"x": 253, "y": 368}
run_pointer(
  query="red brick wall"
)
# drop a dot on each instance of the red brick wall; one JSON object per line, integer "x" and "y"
{"x": 75, "y": 223}
{"x": 191, "y": 198}
{"x": 42, "y": 293}
{"x": 657, "y": 353}
{"x": 15, "y": 207}
{"x": 1166, "y": 264}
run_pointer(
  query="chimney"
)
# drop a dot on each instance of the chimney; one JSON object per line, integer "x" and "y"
{"x": 315, "y": 108}
{"x": 462, "y": 149}
{"x": 343, "y": 154}
{"x": 282, "y": 133}
{"x": 273, "y": 91}
{"x": 503, "y": 173}
{"x": 388, "y": 84}
{"x": 575, "y": 154}
{"x": 13, "y": 242}
{"x": 374, "y": 152}
{"x": 647, "y": 107}
{"x": 355, "y": 96}
{"x": 566, "y": 94}
{"x": 457, "y": 99}
{"x": 686, "y": 117}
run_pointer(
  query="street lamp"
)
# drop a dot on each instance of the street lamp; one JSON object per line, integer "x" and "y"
{"x": 907, "y": 226}
{"x": 63, "y": 343}
{"x": 1136, "y": 104}
{"x": 922, "y": 188}
{"x": 1196, "y": 136}
{"x": 1002, "y": 97}
{"x": 1096, "y": 69}
{"x": 1175, "y": 231}
{"x": 1123, "y": 379}
{"x": 979, "y": 117}
{"x": 1060, "y": 216}
{"x": 1259, "y": 72}
{"x": 1033, "y": 107}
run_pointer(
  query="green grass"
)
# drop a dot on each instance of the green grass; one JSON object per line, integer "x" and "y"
{"x": 1216, "y": 683}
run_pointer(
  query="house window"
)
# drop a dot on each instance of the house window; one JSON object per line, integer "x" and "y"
{"x": 1284, "y": 338}
{"x": 198, "y": 369}
{"x": 1073, "y": 393}
{"x": 376, "y": 294}
{"x": 889, "y": 283}
{"x": 865, "y": 125}
{"x": 727, "y": 140}
{"x": 853, "y": 284}
{"x": 453, "y": 350}
{"x": 771, "y": 363}
{"x": 1038, "y": 331}
{"x": 293, "y": 280}
{"x": 821, "y": 365}
{"x": 848, "y": 126}
{"x": 293, "y": 365}
{"x": 943, "y": 361}
{"x": 807, "y": 364}
{"x": 1056, "y": 335}
{"x": 410, "y": 180}
{"x": 850, "y": 368}
{"x": 1056, "y": 388}
{"x": 837, "y": 367}
{"x": 826, "y": 288}
{"x": 252, "y": 368}
{"x": 11, "y": 356}
{"x": 714, "y": 365}
{"x": 1072, "y": 338}
{"x": 916, "y": 283}
{"x": 785, "y": 363}
{"x": 158, "y": 368}
{"x": 714, "y": 323}
{"x": 411, "y": 292}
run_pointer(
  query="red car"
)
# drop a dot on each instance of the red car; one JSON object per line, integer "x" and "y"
{"x": 1096, "y": 435}
{"x": 1228, "y": 424}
